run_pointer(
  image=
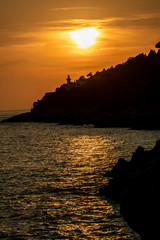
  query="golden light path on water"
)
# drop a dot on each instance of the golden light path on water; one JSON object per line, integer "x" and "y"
{"x": 50, "y": 175}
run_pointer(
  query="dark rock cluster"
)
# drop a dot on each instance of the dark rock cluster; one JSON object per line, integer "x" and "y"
{"x": 136, "y": 184}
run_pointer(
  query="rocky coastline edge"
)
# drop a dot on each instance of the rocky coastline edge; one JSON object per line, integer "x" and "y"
{"x": 136, "y": 185}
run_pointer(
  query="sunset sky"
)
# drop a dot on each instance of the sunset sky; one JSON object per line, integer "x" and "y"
{"x": 37, "y": 50}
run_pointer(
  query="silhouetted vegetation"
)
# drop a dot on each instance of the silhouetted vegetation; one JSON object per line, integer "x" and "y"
{"x": 126, "y": 95}
{"x": 157, "y": 45}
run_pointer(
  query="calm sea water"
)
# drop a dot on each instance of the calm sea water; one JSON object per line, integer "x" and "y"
{"x": 50, "y": 175}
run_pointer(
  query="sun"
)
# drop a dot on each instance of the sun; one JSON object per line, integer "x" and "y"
{"x": 84, "y": 37}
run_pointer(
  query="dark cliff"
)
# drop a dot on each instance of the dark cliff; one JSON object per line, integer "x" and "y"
{"x": 136, "y": 185}
{"x": 126, "y": 95}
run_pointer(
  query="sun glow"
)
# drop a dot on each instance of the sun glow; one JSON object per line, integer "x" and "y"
{"x": 85, "y": 37}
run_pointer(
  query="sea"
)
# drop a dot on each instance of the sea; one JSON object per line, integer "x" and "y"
{"x": 50, "y": 175}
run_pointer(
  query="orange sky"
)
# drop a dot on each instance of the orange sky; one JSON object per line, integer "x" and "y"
{"x": 37, "y": 53}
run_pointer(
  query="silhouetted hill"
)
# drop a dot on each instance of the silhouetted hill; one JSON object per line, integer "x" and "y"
{"x": 126, "y": 95}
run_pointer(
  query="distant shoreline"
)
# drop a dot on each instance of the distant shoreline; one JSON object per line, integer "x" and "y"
{"x": 27, "y": 117}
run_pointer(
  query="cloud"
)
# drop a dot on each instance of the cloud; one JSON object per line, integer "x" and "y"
{"x": 71, "y": 8}
{"x": 13, "y": 62}
{"x": 143, "y": 19}
{"x": 37, "y": 33}
{"x": 10, "y": 38}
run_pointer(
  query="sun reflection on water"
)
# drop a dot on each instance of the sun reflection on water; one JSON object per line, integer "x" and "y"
{"x": 50, "y": 176}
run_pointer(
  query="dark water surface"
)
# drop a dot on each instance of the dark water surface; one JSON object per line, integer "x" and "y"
{"x": 50, "y": 175}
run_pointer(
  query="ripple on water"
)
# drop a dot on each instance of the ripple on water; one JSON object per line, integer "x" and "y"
{"x": 50, "y": 175}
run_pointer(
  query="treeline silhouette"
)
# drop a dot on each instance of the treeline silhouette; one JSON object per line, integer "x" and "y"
{"x": 126, "y": 95}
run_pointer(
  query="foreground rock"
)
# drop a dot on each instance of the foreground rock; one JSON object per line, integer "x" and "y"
{"x": 137, "y": 185}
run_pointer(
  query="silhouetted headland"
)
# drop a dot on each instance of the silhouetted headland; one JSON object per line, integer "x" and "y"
{"x": 136, "y": 185}
{"x": 126, "y": 95}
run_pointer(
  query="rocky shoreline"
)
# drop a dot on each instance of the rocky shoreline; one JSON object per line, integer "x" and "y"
{"x": 144, "y": 123}
{"x": 136, "y": 185}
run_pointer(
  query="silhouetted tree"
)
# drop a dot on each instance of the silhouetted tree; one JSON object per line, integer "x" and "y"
{"x": 157, "y": 45}
{"x": 152, "y": 53}
{"x": 89, "y": 74}
{"x": 82, "y": 78}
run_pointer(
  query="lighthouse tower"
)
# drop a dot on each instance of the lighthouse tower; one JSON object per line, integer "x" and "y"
{"x": 68, "y": 80}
